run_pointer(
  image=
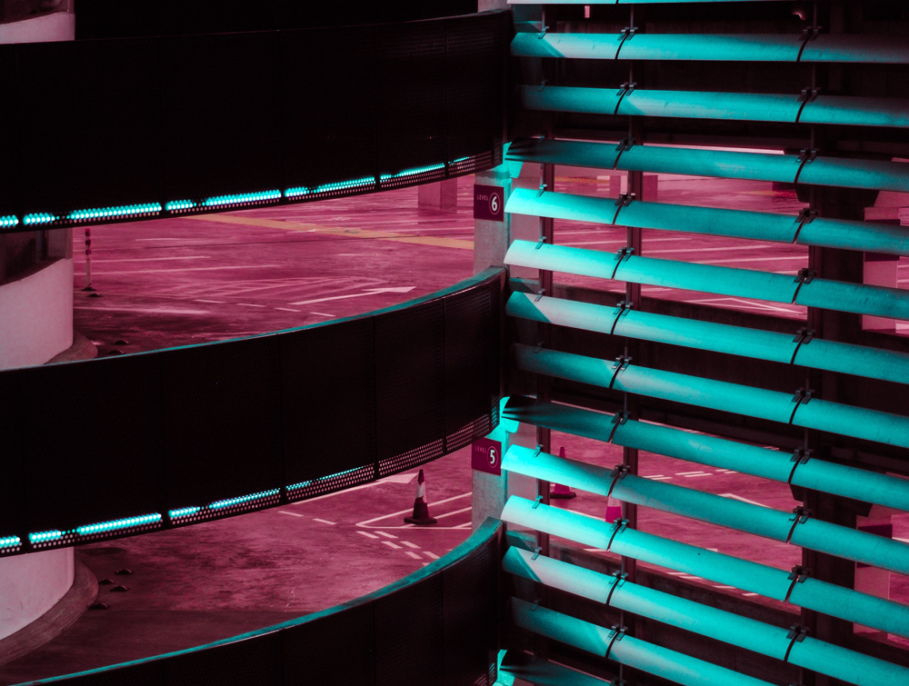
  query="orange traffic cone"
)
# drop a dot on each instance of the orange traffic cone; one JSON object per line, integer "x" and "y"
{"x": 560, "y": 492}
{"x": 420, "y": 515}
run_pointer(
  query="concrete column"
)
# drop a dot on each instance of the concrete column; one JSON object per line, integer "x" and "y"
{"x": 30, "y": 585}
{"x": 442, "y": 195}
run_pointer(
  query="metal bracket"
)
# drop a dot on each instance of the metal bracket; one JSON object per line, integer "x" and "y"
{"x": 805, "y": 156}
{"x": 804, "y": 276}
{"x": 536, "y": 453}
{"x": 536, "y": 553}
{"x": 618, "y": 472}
{"x": 539, "y": 295}
{"x": 617, "y": 421}
{"x": 807, "y": 95}
{"x": 540, "y": 242}
{"x": 542, "y": 32}
{"x": 626, "y": 34}
{"x": 538, "y": 347}
{"x": 620, "y": 257}
{"x": 802, "y": 515}
{"x": 624, "y": 200}
{"x": 797, "y": 634}
{"x": 803, "y": 336}
{"x": 624, "y": 90}
{"x": 802, "y": 397}
{"x": 808, "y": 34}
{"x": 624, "y": 144}
{"x": 537, "y": 502}
{"x": 805, "y": 216}
{"x": 620, "y": 526}
{"x": 621, "y": 309}
{"x": 621, "y": 363}
{"x": 799, "y": 456}
{"x": 619, "y": 580}
{"x": 798, "y": 575}
{"x": 542, "y": 86}
{"x": 618, "y": 632}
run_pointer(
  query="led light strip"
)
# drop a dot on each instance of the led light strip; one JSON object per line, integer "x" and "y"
{"x": 10, "y": 541}
{"x": 119, "y": 211}
{"x": 7, "y": 223}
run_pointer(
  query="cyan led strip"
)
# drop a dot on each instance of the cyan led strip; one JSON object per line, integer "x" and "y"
{"x": 118, "y": 211}
{"x": 10, "y": 542}
{"x": 183, "y": 512}
{"x": 412, "y": 172}
{"x": 218, "y": 200}
{"x": 221, "y": 504}
{"x": 118, "y": 524}
{"x": 39, "y": 218}
{"x": 304, "y": 484}
{"x": 7, "y": 223}
{"x": 176, "y": 205}
{"x": 45, "y": 536}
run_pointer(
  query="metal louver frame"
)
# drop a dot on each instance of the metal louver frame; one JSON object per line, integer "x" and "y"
{"x": 805, "y": 290}
{"x": 820, "y": 170}
{"x": 794, "y": 528}
{"x": 794, "y": 348}
{"x": 723, "y": 569}
{"x": 776, "y": 642}
{"x": 626, "y": 650}
{"x": 762, "y": 226}
{"x": 797, "y": 410}
{"x": 813, "y": 473}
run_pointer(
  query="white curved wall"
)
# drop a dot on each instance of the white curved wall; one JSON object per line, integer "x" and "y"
{"x": 36, "y": 314}
{"x": 30, "y": 585}
{"x": 45, "y": 29}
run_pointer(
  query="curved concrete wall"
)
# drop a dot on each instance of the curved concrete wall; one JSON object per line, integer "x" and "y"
{"x": 36, "y": 311}
{"x": 30, "y": 585}
{"x": 49, "y": 28}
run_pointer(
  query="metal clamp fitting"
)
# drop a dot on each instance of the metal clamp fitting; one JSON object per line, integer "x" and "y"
{"x": 800, "y": 456}
{"x": 618, "y": 633}
{"x": 619, "y": 419}
{"x": 804, "y": 276}
{"x": 797, "y": 634}
{"x": 621, "y": 309}
{"x": 798, "y": 575}
{"x": 619, "y": 580}
{"x": 802, "y": 515}
{"x": 621, "y": 363}
{"x": 802, "y": 397}
{"x": 619, "y": 526}
{"x": 622, "y": 255}
{"x": 802, "y": 337}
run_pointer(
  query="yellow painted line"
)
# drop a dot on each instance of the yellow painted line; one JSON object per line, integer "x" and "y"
{"x": 438, "y": 242}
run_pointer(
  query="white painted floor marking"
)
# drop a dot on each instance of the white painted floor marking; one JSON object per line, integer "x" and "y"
{"x": 391, "y": 545}
{"x": 744, "y": 500}
{"x": 750, "y": 594}
{"x": 323, "y": 314}
{"x": 155, "y": 259}
{"x": 432, "y": 555}
{"x": 249, "y": 305}
{"x": 410, "y": 545}
{"x": 414, "y": 555}
{"x": 688, "y": 576}
{"x": 692, "y": 476}
{"x": 292, "y": 514}
{"x": 323, "y": 521}
{"x": 285, "y": 309}
{"x": 699, "y": 471}
{"x": 369, "y": 291}
{"x": 594, "y": 550}
{"x": 151, "y": 310}
{"x": 367, "y": 524}
{"x": 465, "y": 525}
{"x": 217, "y": 302}
{"x": 190, "y": 269}
{"x": 721, "y": 586}
{"x": 653, "y": 476}
{"x": 386, "y": 534}
{"x": 745, "y": 304}
{"x": 454, "y": 512}
{"x": 367, "y": 534}
{"x": 399, "y": 478}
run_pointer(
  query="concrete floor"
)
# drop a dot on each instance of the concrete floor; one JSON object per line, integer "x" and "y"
{"x": 205, "y": 278}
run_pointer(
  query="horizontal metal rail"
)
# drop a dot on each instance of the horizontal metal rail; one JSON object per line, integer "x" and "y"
{"x": 806, "y": 290}
{"x": 797, "y": 469}
{"x": 761, "y": 226}
{"x": 856, "y": 49}
{"x": 797, "y": 348}
{"x": 753, "y": 577}
{"x": 809, "y": 169}
{"x": 626, "y": 650}
{"x": 728, "y": 627}
{"x": 786, "y": 527}
{"x": 790, "y": 109}
{"x": 797, "y": 410}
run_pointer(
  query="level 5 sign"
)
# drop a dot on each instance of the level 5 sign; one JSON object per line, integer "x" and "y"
{"x": 489, "y": 203}
{"x": 486, "y": 456}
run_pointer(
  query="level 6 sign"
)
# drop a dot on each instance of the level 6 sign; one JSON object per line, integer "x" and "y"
{"x": 489, "y": 203}
{"x": 486, "y": 456}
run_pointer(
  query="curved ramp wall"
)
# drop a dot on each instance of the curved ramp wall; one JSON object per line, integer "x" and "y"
{"x": 436, "y": 626}
{"x": 185, "y": 435}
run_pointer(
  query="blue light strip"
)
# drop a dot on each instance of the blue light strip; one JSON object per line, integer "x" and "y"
{"x": 39, "y": 218}
{"x": 8, "y": 222}
{"x": 118, "y": 211}
{"x": 45, "y": 536}
{"x": 412, "y": 172}
{"x": 304, "y": 484}
{"x": 118, "y": 524}
{"x": 176, "y": 205}
{"x": 221, "y": 504}
{"x": 327, "y": 187}
{"x": 218, "y": 200}
{"x": 183, "y": 512}
{"x": 10, "y": 541}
